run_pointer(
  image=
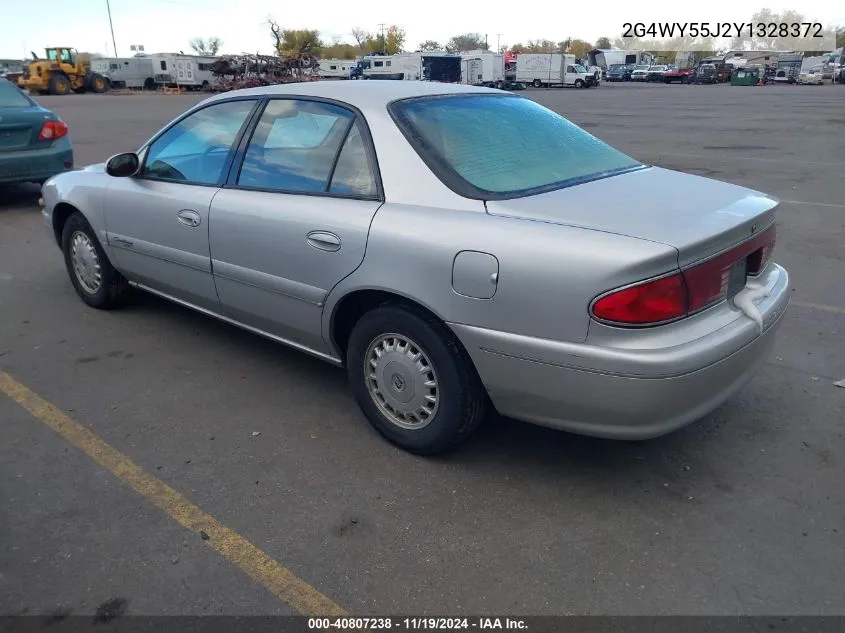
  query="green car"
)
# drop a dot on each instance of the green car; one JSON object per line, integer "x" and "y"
{"x": 34, "y": 142}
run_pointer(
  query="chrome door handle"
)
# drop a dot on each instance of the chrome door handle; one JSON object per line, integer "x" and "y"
{"x": 324, "y": 241}
{"x": 189, "y": 218}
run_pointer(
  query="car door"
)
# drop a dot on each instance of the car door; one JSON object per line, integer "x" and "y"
{"x": 157, "y": 221}
{"x": 293, "y": 219}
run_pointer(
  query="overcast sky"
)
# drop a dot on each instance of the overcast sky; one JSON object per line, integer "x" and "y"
{"x": 169, "y": 25}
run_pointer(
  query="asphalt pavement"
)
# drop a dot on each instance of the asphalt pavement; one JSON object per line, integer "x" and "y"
{"x": 740, "y": 513}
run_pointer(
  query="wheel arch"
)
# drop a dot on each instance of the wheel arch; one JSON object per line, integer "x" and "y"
{"x": 349, "y": 308}
{"x": 61, "y": 212}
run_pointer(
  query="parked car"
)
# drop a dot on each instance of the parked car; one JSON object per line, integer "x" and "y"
{"x": 34, "y": 142}
{"x": 655, "y": 73}
{"x": 620, "y": 72}
{"x": 399, "y": 230}
{"x": 639, "y": 73}
{"x": 811, "y": 78}
{"x": 681, "y": 75}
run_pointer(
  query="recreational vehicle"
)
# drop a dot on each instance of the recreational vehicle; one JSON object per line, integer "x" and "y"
{"x": 126, "y": 72}
{"x": 551, "y": 69}
{"x": 443, "y": 67}
{"x": 189, "y": 71}
{"x": 336, "y": 68}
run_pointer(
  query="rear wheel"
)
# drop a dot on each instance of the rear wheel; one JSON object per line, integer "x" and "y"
{"x": 59, "y": 85}
{"x": 413, "y": 380}
{"x": 93, "y": 277}
{"x": 537, "y": 83}
{"x": 149, "y": 83}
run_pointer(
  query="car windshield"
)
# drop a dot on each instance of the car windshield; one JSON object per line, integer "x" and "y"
{"x": 12, "y": 96}
{"x": 580, "y": 69}
{"x": 503, "y": 146}
{"x": 641, "y": 68}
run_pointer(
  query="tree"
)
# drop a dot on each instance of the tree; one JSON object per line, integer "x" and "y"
{"x": 430, "y": 45}
{"x": 466, "y": 42}
{"x": 518, "y": 48}
{"x": 394, "y": 40}
{"x": 580, "y": 48}
{"x": 540, "y": 46}
{"x": 295, "y": 41}
{"x": 86, "y": 57}
{"x": 340, "y": 50}
{"x": 789, "y": 43}
{"x": 208, "y": 46}
{"x": 603, "y": 42}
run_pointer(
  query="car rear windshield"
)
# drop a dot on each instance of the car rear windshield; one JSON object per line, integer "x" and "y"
{"x": 503, "y": 146}
{"x": 11, "y": 96}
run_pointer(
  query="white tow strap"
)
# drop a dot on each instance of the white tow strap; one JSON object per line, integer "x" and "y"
{"x": 745, "y": 301}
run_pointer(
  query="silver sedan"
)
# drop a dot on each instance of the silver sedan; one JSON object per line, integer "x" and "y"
{"x": 456, "y": 249}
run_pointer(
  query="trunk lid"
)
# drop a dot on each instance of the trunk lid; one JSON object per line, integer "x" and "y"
{"x": 19, "y": 128}
{"x": 698, "y": 216}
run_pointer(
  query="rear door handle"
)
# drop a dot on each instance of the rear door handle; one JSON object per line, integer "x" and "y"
{"x": 189, "y": 218}
{"x": 324, "y": 241}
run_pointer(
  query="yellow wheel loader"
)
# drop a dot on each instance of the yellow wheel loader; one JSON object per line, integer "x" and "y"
{"x": 61, "y": 72}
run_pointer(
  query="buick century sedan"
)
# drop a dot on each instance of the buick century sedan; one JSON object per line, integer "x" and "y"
{"x": 456, "y": 249}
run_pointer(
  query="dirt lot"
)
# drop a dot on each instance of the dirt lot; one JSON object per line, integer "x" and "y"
{"x": 740, "y": 513}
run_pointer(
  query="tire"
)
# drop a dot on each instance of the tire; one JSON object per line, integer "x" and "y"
{"x": 579, "y": 83}
{"x": 461, "y": 401}
{"x": 537, "y": 83}
{"x": 149, "y": 83}
{"x": 112, "y": 289}
{"x": 59, "y": 85}
{"x": 97, "y": 83}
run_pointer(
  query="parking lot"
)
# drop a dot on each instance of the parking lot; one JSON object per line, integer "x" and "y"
{"x": 740, "y": 513}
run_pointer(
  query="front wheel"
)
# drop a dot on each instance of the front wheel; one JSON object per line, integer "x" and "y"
{"x": 93, "y": 277}
{"x": 413, "y": 380}
{"x": 579, "y": 83}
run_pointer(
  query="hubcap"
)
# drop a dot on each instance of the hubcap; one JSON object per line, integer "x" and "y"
{"x": 401, "y": 381}
{"x": 86, "y": 264}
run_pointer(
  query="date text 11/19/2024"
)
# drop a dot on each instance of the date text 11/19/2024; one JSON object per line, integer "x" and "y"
{"x": 430, "y": 624}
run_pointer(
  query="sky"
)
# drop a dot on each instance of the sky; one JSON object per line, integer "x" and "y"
{"x": 169, "y": 25}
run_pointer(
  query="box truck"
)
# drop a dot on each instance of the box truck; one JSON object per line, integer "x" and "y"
{"x": 551, "y": 69}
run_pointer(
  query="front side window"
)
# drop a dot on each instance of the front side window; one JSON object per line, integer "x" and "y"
{"x": 196, "y": 148}
{"x": 503, "y": 146}
{"x": 294, "y": 146}
{"x": 377, "y": 64}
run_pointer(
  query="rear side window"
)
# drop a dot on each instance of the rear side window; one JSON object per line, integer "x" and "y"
{"x": 497, "y": 147}
{"x": 12, "y": 97}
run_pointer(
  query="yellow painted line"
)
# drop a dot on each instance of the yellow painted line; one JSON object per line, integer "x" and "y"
{"x": 294, "y": 591}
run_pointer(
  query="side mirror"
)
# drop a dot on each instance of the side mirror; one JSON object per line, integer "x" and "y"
{"x": 123, "y": 165}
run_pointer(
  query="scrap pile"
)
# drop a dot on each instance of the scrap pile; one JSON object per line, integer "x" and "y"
{"x": 248, "y": 71}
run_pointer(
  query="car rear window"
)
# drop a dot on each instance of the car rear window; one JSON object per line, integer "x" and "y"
{"x": 12, "y": 96}
{"x": 503, "y": 146}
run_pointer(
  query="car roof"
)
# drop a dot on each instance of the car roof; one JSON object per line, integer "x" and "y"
{"x": 363, "y": 94}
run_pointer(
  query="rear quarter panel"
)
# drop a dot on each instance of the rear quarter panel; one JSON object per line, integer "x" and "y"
{"x": 548, "y": 273}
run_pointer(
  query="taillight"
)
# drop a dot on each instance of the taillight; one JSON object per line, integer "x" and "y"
{"x": 52, "y": 130}
{"x": 687, "y": 291}
{"x": 663, "y": 299}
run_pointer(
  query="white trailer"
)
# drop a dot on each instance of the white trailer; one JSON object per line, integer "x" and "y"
{"x": 126, "y": 72}
{"x": 551, "y": 69}
{"x": 188, "y": 71}
{"x": 335, "y": 68}
{"x": 482, "y": 69}
{"x": 429, "y": 66}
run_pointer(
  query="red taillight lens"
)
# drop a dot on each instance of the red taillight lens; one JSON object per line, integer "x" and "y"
{"x": 655, "y": 301}
{"x": 52, "y": 130}
{"x": 687, "y": 291}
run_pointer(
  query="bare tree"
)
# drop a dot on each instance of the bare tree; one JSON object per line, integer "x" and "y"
{"x": 208, "y": 46}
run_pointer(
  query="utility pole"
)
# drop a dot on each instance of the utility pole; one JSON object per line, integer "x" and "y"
{"x": 383, "y": 45}
{"x": 486, "y": 46}
{"x": 111, "y": 26}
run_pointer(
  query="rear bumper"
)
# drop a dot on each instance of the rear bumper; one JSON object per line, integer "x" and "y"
{"x": 624, "y": 393}
{"x": 38, "y": 164}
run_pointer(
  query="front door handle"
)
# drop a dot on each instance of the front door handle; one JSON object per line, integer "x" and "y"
{"x": 189, "y": 218}
{"x": 324, "y": 241}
